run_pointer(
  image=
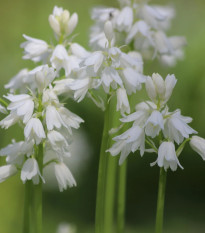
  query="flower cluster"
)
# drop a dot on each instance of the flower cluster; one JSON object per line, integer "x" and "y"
{"x": 35, "y": 105}
{"x": 155, "y": 128}
{"x": 140, "y": 26}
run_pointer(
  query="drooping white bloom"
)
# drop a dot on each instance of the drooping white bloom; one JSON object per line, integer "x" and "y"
{"x": 58, "y": 143}
{"x": 44, "y": 77}
{"x": 61, "y": 59}
{"x": 122, "y": 101}
{"x": 22, "y": 105}
{"x": 177, "y": 128}
{"x": 198, "y": 144}
{"x": 9, "y": 120}
{"x": 64, "y": 176}
{"x": 130, "y": 141}
{"x": 7, "y": 171}
{"x": 18, "y": 82}
{"x": 66, "y": 228}
{"x": 154, "y": 124}
{"x": 78, "y": 51}
{"x": 35, "y": 49}
{"x": 167, "y": 157}
{"x": 34, "y": 130}
{"x": 125, "y": 19}
{"x": 57, "y": 117}
{"x": 15, "y": 152}
{"x": 30, "y": 171}
{"x": 61, "y": 22}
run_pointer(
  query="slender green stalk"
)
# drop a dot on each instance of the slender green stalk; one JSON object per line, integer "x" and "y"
{"x": 27, "y": 202}
{"x": 106, "y": 174}
{"x": 122, "y": 171}
{"x": 160, "y": 201}
{"x": 36, "y": 207}
{"x": 100, "y": 201}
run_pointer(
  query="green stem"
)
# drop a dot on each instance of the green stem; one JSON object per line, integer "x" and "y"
{"x": 99, "y": 215}
{"x": 160, "y": 201}
{"x": 27, "y": 203}
{"x": 36, "y": 207}
{"x": 106, "y": 174}
{"x": 122, "y": 170}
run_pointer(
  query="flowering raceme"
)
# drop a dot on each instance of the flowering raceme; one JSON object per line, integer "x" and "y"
{"x": 151, "y": 120}
{"x": 140, "y": 26}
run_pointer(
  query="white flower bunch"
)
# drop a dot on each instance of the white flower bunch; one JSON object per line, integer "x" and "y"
{"x": 35, "y": 105}
{"x": 117, "y": 72}
{"x": 156, "y": 129}
{"x": 140, "y": 26}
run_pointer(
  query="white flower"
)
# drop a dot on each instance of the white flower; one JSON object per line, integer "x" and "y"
{"x": 58, "y": 143}
{"x": 7, "y": 171}
{"x": 44, "y": 77}
{"x": 158, "y": 89}
{"x": 22, "y": 105}
{"x": 177, "y": 128}
{"x": 64, "y": 176}
{"x": 18, "y": 81}
{"x": 198, "y": 145}
{"x": 60, "y": 59}
{"x": 125, "y": 19}
{"x": 167, "y": 157}
{"x": 50, "y": 96}
{"x": 10, "y": 120}
{"x": 35, "y": 49}
{"x": 95, "y": 60}
{"x": 61, "y": 22}
{"x": 154, "y": 124}
{"x": 30, "y": 171}
{"x": 122, "y": 101}
{"x": 15, "y": 152}
{"x": 78, "y": 51}
{"x": 57, "y": 117}
{"x": 131, "y": 140}
{"x": 34, "y": 130}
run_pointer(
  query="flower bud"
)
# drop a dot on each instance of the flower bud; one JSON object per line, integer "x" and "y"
{"x": 108, "y": 30}
{"x": 198, "y": 144}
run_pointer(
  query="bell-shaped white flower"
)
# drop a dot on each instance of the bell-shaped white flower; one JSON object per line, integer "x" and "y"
{"x": 122, "y": 101}
{"x": 30, "y": 171}
{"x": 78, "y": 51}
{"x": 18, "y": 82}
{"x": 57, "y": 117}
{"x": 198, "y": 144}
{"x": 61, "y": 22}
{"x": 22, "y": 105}
{"x": 167, "y": 157}
{"x": 58, "y": 143}
{"x": 10, "y": 120}
{"x": 177, "y": 128}
{"x": 95, "y": 60}
{"x": 44, "y": 77}
{"x": 60, "y": 59}
{"x": 34, "y": 130}
{"x": 131, "y": 140}
{"x": 15, "y": 152}
{"x": 64, "y": 176}
{"x": 35, "y": 49}
{"x": 125, "y": 19}
{"x": 154, "y": 124}
{"x": 7, "y": 171}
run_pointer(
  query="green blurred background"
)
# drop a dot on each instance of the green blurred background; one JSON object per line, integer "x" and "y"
{"x": 185, "y": 197}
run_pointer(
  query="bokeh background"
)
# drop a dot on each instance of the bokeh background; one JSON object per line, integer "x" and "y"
{"x": 185, "y": 196}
